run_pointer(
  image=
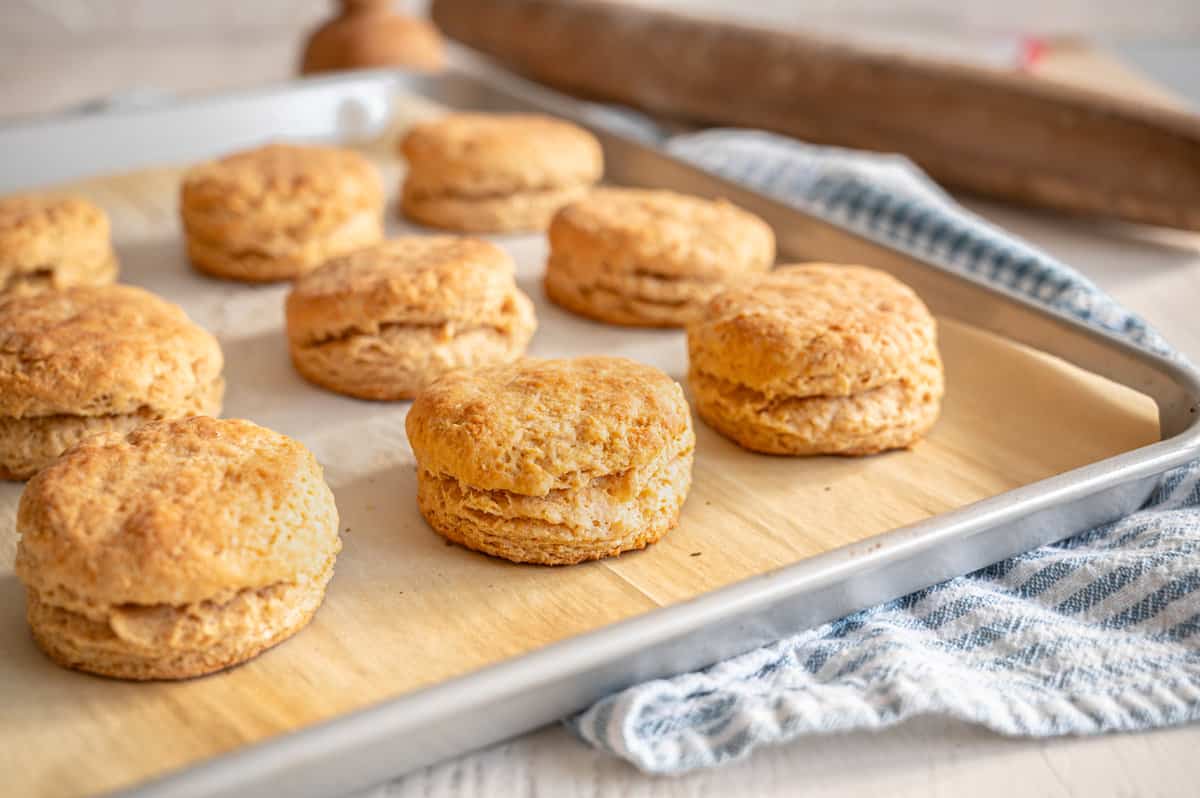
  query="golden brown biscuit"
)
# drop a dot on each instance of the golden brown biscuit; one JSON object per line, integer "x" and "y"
{"x": 384, "y": 321}
{"x": 496, "y": 172}
{"x": 553, "y": 461}
{"x": 86, "y": 360}
{"x": 49, "y": 243}
{"x": 817, "y": 359}
{"x": 650, "y": 258}
{"x": 175, "y": 550}
{"x": 276, "y": 212}
{"x": 368, "y": 35}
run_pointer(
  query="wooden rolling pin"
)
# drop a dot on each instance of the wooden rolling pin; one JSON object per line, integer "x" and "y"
{"x": 989, "y": 132}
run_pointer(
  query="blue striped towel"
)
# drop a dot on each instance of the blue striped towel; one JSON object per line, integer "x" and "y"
{"x": 1096, "y": 633}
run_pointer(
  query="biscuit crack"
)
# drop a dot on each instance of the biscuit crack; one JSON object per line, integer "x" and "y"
{"x": 446, "y": 331}
{"x": 167, "y": 627}
{"x": 590, "y": 506}
{"x": 766, "y": 403}
{"x": 194, "y": 402}
{"x": 630, "y": 298}
{"x": 419, "y": 195}
{"x": 39, "y": 276}
{"x": 603, "y": 518}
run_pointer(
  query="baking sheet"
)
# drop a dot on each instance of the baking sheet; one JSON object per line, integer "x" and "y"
{"x": 406, "y": 611}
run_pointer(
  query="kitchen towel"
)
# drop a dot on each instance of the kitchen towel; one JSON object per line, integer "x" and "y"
{"x": 1099, "y": 632}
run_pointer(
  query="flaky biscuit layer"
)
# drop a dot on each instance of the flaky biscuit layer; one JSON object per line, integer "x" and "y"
{"x": 165, "y": 641}
{"x": 82, "y": 273}
{"x": 641, "y": 300}
{"x": 519, "y": 211}
{"x": 50, "y": 242}
{"x": 610, "y": 515}
{"x": 284, "y": 256}
{"x": 386, "y": 320}
{"x": 28, "y": 445}
{"x": 893, "y": 415}
{"x": 398, "y": 360}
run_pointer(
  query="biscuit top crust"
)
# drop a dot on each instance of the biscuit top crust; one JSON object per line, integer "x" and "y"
{"x": 813, "y": 329}
{"x": 279, "y": 189}
{"x": 484, "y": 155}
{"x": 534, "y": 425}
{"x": 662, "y": 234}
{"x": 39, "y": 231}
{"x": 416, "y": 280}
{"x": 176, "y": 512}
{"x": 100, "y": 351}
{"x": 380, "y": 40}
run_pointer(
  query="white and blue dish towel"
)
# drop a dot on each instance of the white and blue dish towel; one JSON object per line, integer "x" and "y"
{"x": 1100, "y": 632}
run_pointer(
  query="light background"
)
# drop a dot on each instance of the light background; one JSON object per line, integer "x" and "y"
{"x": 55, "y": 53}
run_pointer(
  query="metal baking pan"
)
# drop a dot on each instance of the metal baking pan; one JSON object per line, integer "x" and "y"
{"x": 372, "y": 745}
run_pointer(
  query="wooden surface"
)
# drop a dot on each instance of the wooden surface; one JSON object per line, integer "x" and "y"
{"x": 405, "y": 610}
{"x": 994, "y": 133}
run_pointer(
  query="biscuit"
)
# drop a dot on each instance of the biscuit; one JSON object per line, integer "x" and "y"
{"x": 384, "y": 321}
{"x": 178, "y": 549}
{"x": 650, "y": 258}
{"x": 86, "y": 360}
{"x": 281, "y": 210}
{"x": 817, "y": 359}
{"x": 553, "y": 461}
{"x": 495, "y": 173}
{"x": 368, "y": 36}
{"x": 48, "y": 243}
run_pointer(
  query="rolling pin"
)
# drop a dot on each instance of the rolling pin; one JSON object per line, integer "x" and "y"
{"x": 983, "y": 131}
